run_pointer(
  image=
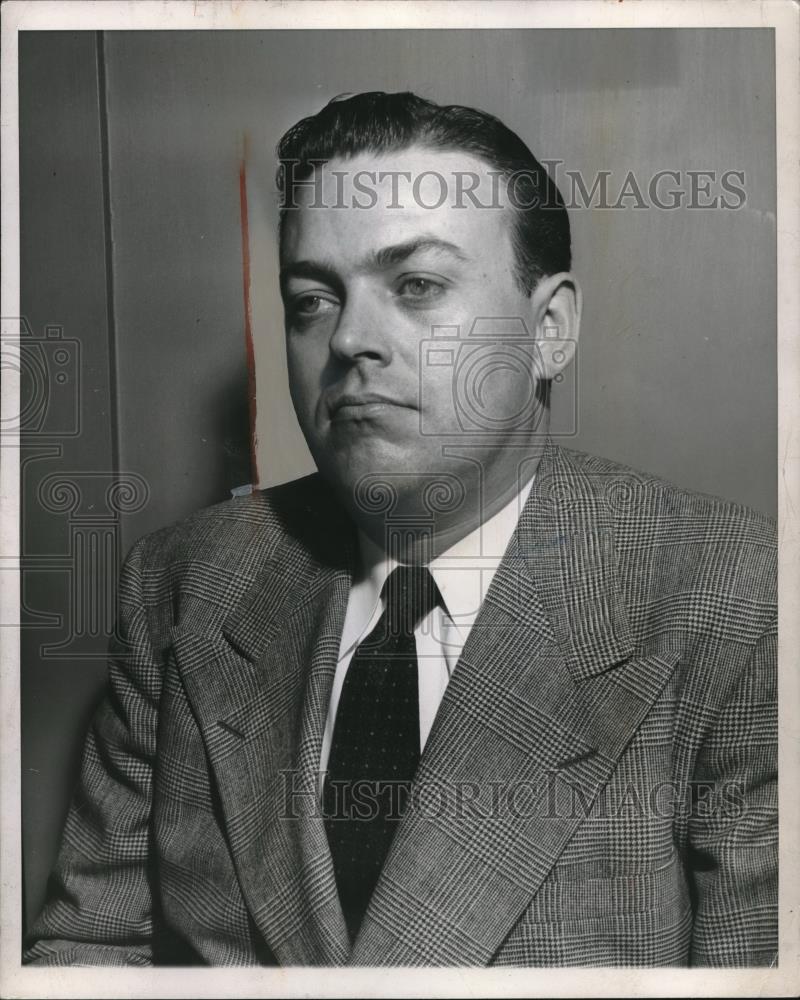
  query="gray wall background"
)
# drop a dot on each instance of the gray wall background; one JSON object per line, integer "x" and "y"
{"x": 130, "y": 150}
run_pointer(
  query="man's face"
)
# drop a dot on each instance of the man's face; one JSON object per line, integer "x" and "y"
{"x": 363, "y": 290}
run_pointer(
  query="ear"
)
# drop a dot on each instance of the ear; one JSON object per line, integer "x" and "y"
{"x": 556, "y": 304}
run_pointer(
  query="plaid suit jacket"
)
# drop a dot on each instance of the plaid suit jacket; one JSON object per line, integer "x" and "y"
{"x": 598, "y": 788}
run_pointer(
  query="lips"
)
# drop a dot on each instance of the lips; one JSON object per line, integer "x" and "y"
{"x": 360, "y": 406}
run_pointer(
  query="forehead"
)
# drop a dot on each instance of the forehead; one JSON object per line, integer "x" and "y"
{"x": 359, "y": 204}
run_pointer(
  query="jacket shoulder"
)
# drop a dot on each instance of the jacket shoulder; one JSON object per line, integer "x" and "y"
{"x": 236, "y": 531}
{"x": 684, "y": 541}
{"x": 196, "y": 570}
{"x": 632, "y": 493}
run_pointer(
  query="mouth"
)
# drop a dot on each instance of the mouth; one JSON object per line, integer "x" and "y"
{"x": 362, "y": 406}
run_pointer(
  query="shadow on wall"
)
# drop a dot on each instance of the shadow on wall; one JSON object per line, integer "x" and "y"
{"x": 231, "y": 406}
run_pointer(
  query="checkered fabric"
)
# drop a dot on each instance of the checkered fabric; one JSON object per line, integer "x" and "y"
{"x": 599, "y": 787}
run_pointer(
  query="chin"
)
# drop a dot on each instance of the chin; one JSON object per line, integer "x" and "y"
{"x": 378, "y": 461}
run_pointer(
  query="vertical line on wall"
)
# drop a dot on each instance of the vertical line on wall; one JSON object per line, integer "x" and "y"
{"x": 108, "y": 239}
{"x": 248, "y": 325}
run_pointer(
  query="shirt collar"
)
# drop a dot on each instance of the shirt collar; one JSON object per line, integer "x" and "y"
{"x": 464, "y": 572}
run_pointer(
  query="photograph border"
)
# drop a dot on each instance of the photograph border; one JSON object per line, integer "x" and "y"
{"x": 175, "y": 15}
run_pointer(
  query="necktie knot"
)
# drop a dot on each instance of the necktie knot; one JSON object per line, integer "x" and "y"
{"x": 410, "y": 593}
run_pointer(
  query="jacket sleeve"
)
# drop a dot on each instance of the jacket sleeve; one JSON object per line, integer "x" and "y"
{"x": 99, "y": 906}
{"x": 733, "y": 829}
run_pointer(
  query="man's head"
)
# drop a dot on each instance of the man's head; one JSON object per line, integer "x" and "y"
{"x": 424, "y": 270}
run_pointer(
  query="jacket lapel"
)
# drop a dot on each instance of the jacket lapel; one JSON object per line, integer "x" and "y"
{"x": 545, "y": 698}
{"x": 260, "y": 693}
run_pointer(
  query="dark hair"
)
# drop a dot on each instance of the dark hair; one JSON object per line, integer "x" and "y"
{"x": 377, "y": 122}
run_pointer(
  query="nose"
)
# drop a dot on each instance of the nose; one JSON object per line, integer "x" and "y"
{"x": 360, "y": 333}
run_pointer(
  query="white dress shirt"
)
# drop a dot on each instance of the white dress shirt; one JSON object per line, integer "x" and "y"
{"x": 463, "y": 574}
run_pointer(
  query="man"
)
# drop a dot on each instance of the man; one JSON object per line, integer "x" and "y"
{"x": 464, "y": 697}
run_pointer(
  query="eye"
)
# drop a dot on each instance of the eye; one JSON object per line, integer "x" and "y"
{"x": 420, "y": 289}
{"x": 308, "y": 306}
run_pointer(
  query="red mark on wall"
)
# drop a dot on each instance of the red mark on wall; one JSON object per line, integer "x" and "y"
{"x": 248, "y": 320}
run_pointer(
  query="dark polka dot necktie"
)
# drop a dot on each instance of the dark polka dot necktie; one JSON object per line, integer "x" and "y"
{"x": 375, "y": 748}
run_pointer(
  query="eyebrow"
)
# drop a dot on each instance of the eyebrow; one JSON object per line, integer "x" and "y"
{"x": 396, "y": 254}
{"x": 378, "y": 260}
{"x": 315, "y": 270}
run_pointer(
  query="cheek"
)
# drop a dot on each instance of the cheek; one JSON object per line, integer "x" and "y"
{"x": 303, "y": 379}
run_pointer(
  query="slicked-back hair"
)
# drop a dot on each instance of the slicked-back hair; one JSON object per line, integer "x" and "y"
{"x": 377, "y": 122}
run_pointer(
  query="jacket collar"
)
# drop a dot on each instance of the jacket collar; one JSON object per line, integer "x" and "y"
{"x": 566, "y": 541}
{"x": 259, "y": 691}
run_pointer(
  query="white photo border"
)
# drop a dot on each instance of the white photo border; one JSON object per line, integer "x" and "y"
{"x": 77, "y": 15}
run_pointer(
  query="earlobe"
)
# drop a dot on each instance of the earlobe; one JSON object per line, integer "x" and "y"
{"x": 557, "y": 302}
